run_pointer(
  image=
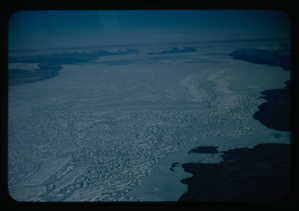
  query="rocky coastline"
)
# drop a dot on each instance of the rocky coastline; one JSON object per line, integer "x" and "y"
{"x": 258, "y": 174}
{"x": 276, "y": 113}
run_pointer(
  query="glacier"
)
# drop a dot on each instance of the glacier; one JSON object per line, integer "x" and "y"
{"x": 110, "y": 129}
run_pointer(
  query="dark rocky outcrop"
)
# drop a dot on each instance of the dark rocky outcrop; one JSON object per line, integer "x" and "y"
{"x": 276, "y": 114}
{"x": 204, "y": 149}
{"x": 176, "y": 50}
{"x": 258, "y": 174}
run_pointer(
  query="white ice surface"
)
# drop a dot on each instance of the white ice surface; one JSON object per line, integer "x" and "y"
{"x": 43, "y": 172}
{"x": 101, "y": 132}
{"x": 26, "y": 193}
{"x": 85, "y": 194}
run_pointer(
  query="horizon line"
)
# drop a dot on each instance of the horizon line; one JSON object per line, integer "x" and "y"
{"x": 113, "y": 45}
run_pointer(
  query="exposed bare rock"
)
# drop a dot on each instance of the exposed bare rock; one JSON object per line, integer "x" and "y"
{"x": 258, "y": 174}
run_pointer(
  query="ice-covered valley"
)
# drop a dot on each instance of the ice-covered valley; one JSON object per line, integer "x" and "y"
{"x": 110, "y": 129}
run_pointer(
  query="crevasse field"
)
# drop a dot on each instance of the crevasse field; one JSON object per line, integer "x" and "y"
{"x": 110, "y": 129}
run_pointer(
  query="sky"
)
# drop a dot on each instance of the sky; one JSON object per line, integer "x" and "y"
{"x": 79, "y": 28}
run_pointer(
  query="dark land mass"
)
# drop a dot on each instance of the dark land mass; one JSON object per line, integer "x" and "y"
{"x": 176, "y": 50}
{"x": 276, "y": 114}
{"x": 279, "y": 57}
{"x": 258, "y": 174}
{"x": 51, "y": 64}
{"x": 19, "y": 76}
{"x": 68, "y": 57}
{"x": 204, "y": 149}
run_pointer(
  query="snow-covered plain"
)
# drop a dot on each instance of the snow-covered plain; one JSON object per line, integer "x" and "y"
{"x": 110, "y": 129}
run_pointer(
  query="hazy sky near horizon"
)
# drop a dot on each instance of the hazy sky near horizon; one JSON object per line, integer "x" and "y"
{"x": 78, "y": 28}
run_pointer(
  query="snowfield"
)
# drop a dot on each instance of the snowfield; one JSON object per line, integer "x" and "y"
{"x": 111, "y": 131}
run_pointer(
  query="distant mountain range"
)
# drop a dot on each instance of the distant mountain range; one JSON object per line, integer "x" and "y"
{"x": 50, "y": 65}
{"x": 270, "y": 55}
{"x": 176, "y": 50}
